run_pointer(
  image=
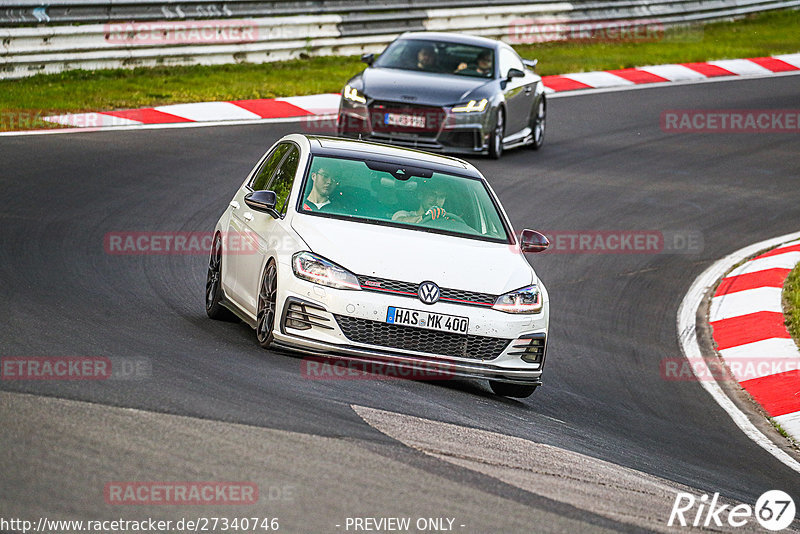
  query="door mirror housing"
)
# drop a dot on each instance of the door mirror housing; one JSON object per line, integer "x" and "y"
{"x": 533, "y": 241}
{"x": 515, "y": 73}
{"x": 368, "y": 59}
{"x": 263, "y": 201}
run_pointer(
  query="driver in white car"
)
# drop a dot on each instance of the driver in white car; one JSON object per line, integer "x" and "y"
{"x": 431, "y": 201}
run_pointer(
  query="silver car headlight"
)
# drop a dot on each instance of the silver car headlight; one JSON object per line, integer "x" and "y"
{"x": 309, "y": 266}
{"x": 525, "y": 300}
{"x": 471, "y": 106}
{"x": 351, "y": 93}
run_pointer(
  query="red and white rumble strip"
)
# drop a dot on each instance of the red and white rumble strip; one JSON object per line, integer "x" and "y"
{"x": 748, "y": 326}
{"x": 328, "y": 104}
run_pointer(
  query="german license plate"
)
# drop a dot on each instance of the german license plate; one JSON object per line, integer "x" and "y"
{"x": 399, "y": 119}
{"x": 429, "y": 320}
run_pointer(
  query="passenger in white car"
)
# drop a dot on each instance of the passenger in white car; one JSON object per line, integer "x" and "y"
{"x": 324, "y": 184}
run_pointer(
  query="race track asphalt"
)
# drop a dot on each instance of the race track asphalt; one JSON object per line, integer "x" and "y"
{"x": 606, "y": 165}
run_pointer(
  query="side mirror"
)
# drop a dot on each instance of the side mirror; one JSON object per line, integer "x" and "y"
{"x": 368, "y": 59}
{"x": 515, "y": 73}
{"x": 530, "y": 63}
{"x": 263, "y": 201}
{"x": 533, "y": 241}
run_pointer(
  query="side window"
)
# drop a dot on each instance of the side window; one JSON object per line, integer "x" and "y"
{"x": 263, "y": 175}
{"x": 509, "y": 60}
{"x": 284, "y": 178}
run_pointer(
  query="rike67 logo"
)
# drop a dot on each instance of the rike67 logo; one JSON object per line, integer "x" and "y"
{"x": 774, "y": 510}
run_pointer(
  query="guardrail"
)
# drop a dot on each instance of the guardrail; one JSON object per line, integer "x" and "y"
{"x": 119, "y": 34}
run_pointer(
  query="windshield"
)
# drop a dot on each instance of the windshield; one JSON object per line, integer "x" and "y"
{"x": 416, "y": 198}
{"x": 438, "y": 56}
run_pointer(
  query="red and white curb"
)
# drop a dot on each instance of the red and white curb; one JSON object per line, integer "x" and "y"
{"x": 328, "y": 104}
{"x": 236, "y": 110}
{"x": 676, "y": 72}
{"x": 746, "y": 315}
{"x": 749, "y": 283}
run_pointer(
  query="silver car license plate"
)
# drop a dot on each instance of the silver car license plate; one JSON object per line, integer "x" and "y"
{"x": 399, "y": 119}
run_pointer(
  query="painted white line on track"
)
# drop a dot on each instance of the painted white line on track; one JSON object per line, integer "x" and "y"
{"x": 754, "y": 300}
{"x": 779, "y": 261}
{"x": 208, "y": 111}
{"x": 674, "y": 73}
{"x": 778, "y": 355}
{"x": 790, "y": 423}
{"x": 599, "y": 79}
{"x": 687, "y": 336}
{"x": 741, "y": 67}
{"x": 791, "y": 59}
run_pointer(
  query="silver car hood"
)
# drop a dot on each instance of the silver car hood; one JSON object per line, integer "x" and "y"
{"x": 416, "y": 256}
{"x": 423, "y": 88}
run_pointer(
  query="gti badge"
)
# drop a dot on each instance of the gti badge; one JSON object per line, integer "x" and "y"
{"x": 428, "y": 292}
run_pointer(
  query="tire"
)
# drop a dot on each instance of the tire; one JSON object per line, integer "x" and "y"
{"x": 267, "y": 305}
{"x": 214, "y": 307}
{"x": 538, "y": 122}
{"x": 517, "y": 391}
{"x": 496, "y": 139}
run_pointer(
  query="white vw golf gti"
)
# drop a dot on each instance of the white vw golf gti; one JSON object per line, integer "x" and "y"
{"x": 369, "y": 252}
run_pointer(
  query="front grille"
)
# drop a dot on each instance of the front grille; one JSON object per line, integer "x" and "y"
{"x": 420, "y": 339}
{"x": 434, "y": 117}
{"x": 408, "y": 289}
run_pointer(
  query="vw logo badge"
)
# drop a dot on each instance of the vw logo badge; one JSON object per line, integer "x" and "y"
{"x": 428, "y": 292}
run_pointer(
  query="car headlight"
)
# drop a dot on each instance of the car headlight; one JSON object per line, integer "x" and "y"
{"x": 471, "y": 106}
{"x": 351, "y": 93}
{"x": 309, "y": 266}
{"x": 525, "y": 300}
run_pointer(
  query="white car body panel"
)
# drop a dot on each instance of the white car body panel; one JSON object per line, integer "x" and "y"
{"x": 385, "y": 252}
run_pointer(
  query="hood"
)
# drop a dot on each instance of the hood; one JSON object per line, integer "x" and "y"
{"x": 416, "y": 256}
{"x": 427, "y": 88}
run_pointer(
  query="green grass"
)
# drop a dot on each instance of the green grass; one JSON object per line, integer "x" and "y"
{"x": 791, "y": 303}
{"x": 23, "y": 102}
{"x": 760, "y": 35}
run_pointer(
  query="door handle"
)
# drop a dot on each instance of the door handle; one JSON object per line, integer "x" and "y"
{"x": 247, "y": 216}
{"x": 528, "y": 90}
{"x": 234, "y": 204}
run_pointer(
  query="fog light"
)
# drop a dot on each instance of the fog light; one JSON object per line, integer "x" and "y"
{"x": 531, "y": 348}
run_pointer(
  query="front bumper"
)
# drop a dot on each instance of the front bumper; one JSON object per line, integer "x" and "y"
{"x": 458, "y": 133}
{"x": 318, "y": 320}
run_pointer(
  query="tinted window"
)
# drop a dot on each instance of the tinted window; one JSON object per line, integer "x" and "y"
{"x": 439, "y": 57}
{"x": 509, "y": 60}
{"x": 440, "y": 201}
{"x": 263, "y": 175}
{"x": 281, "y": 183}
